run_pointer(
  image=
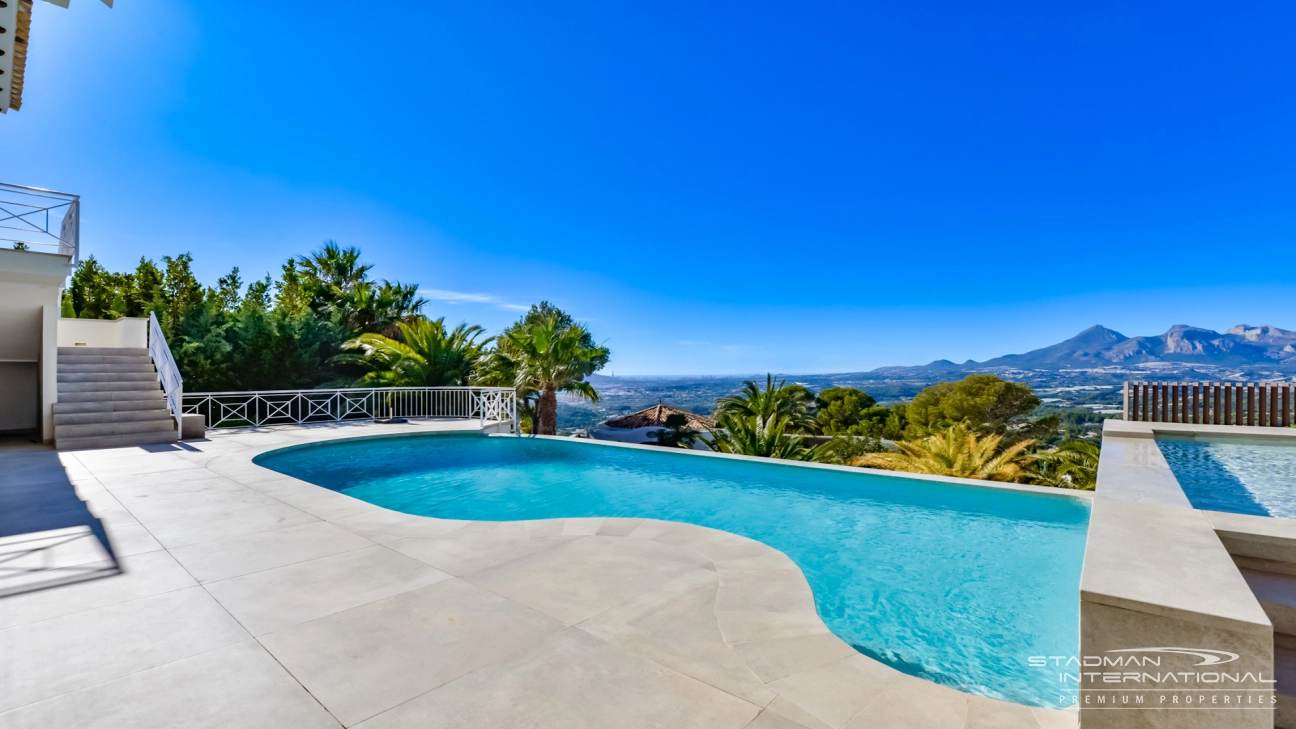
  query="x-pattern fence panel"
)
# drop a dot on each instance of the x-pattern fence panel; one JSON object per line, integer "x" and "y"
{"x": 294, "y": 407}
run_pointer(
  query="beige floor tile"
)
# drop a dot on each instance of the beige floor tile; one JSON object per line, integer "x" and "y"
{"x": 1057, "y": 719}
{"x": 740, "y": 626}
{"x": 143, "y": 575}
{"x": 174, "y": 533}
{"x": 164, "y": 482}
{"x": 575, "y": 581}
{"x": 574, "y": 681}
{"x": 462, "y": 553}
{"x": 274, "y": 599}
{"x": 52, "y": 657}
{"x": 835, "y": 692}
{"x": 675, "y": 626}
{"x": 772, "y": 660}
{"x": 222, "y": 498}
{"x": 366, "y": 660}
{"x": 225, "y": 558}
{"x": 239, "y": 686}
{"x": 984, "y": 713}
{"x": 773, "y": 720}
{"x": 781, "y": 707}
{"x": 765, "y": 590}
{"x": 128, "y": 539}
{"x": 618, "y": 527}
{"x": 108, "y": 509}
{"x": 913, "y": 703}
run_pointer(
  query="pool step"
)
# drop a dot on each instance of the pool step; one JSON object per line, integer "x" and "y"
{"x": 1285, "y": 674}
{"x": 1277, "y": 595}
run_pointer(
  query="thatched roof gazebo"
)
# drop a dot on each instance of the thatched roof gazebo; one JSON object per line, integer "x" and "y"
{"x": 655, "y": 417}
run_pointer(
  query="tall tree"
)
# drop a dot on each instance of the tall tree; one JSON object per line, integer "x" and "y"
{"x": 549, "y": 353}
{"x": 985, "y": 402}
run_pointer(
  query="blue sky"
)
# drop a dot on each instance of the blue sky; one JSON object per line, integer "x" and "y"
{"x": 714, "y": 188}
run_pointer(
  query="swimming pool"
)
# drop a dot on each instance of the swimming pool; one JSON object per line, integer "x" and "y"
{"x": 957, "y": 584}
{"x": 1235, "y": 475}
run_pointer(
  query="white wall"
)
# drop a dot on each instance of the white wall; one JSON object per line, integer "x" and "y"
{"x": 125, "y": 332}
{"x": 19, "y": 395}
{"x": 31, "y": 287}
{"x": 635, "y": 435}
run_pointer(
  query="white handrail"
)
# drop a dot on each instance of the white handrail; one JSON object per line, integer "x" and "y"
{"x": 167, "y": 371}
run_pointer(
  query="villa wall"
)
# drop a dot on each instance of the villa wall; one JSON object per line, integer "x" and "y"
{"x": 31, "y": 288}
{"x": 124, "y": 332}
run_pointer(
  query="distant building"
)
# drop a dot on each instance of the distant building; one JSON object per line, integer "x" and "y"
{"x": 641, "y": 427}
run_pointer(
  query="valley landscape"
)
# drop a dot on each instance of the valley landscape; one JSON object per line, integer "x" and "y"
{"x": 1082, "y": 374}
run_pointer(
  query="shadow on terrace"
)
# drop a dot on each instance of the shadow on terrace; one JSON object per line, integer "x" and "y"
{"x": 48, "y": 535}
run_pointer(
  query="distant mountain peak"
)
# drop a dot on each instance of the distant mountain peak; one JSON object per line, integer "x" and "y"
{"x": 1242, "y": 346}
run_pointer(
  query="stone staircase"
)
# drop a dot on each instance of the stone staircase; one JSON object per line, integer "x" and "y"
{"x": 109, "y": 398}
{"x": 1264, "y": 550}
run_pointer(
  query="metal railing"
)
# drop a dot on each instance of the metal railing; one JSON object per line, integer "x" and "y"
{"x": 167, "y": 371}
{"x": 41, "y": 220}
{"x": 298, "y": 407}
{"x": 1271, "y": 404}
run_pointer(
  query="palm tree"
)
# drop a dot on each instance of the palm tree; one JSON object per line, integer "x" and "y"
{"x": 756, "y": 435}
{"x": 791, "y": 402}
{"x": 1072, "y": 465}
{"x": 548, "y": 353}
{"x": 331, "y": 274}
{"x": 954, "y": 451}
{"x": 428, "y": 356}
{"x": 379, "y": 308}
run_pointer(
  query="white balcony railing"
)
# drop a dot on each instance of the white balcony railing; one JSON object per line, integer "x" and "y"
{"x": 41, "y": 220}
{"x": 297, "y": 407}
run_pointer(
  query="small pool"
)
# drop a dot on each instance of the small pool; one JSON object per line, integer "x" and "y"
{"x": 1235, "y": 475}
{"x": 957, "y": 584}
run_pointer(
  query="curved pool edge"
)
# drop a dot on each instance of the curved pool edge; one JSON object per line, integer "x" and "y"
{"x": 806, "y": 674}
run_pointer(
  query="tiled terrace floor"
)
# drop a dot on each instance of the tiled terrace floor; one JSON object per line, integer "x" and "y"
{"x": 251, "y": 599}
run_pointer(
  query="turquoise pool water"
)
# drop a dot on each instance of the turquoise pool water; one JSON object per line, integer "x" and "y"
{"x": 1235, "y": 475}
{"x": 957, "y": 584}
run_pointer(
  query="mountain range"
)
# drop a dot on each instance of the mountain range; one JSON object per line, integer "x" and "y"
{"x": 1242, "y": 346}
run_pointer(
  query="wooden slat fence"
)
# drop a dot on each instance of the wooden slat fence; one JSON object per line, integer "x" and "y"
{"x": 1270, "y": 404}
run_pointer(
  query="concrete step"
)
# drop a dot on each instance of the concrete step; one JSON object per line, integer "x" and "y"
{"x": 98, "y": 367}
{"x": 1277, "y": 595}
{"x": 72, "y": 377}
{"x": 113, "y": 395}
{"x": 109, "y": 406}
{"x": 1285, "y": 675}
{"x": 103, "y": 352}
{"x": 113, "y": 441}
{"x": 114, "y": 416}
{"x": 114, "y": 386}
{"x": 100, "y": 429}
{"x": 85, "y": 360}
